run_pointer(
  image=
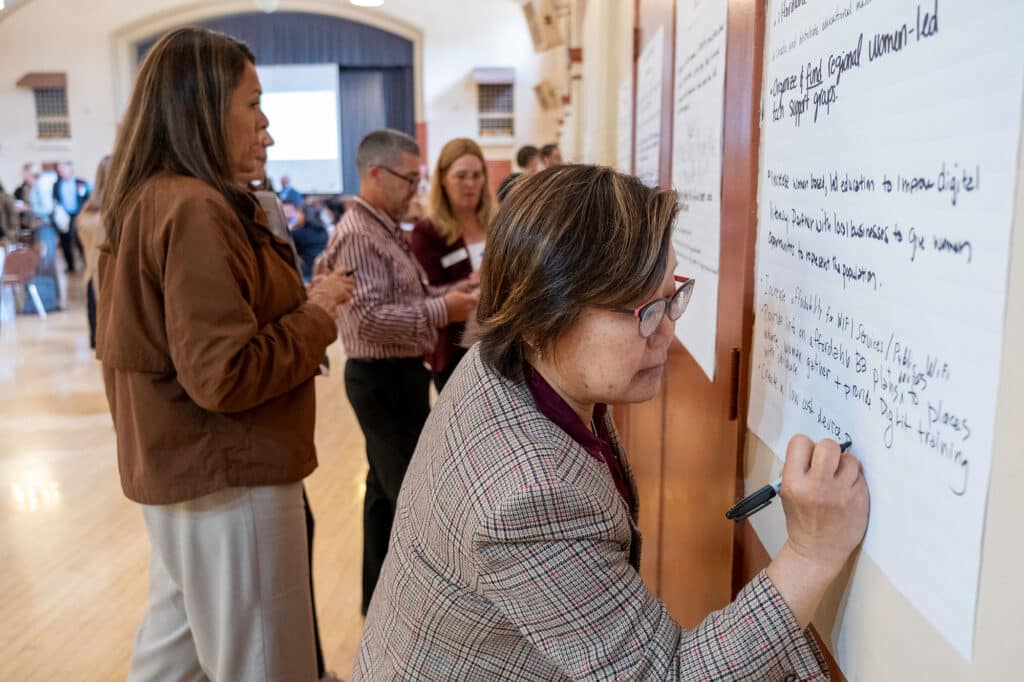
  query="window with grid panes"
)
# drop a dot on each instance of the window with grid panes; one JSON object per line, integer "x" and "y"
{"x": 496, "y": 110}
{"x": 52, "y": 120}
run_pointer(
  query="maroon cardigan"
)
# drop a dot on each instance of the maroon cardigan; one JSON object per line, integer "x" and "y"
{"x": 430, "y": 248}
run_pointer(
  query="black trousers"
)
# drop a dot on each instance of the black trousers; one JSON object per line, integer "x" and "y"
{"x": 90, "y": 305}
{"x": 309, "y": 544}
{"x": 69, "y": 241}
{"x": 391, "y": 399}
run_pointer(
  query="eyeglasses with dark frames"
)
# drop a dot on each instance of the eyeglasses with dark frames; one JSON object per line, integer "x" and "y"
{"x": 649, "y": 314}
{"x": 413, "y": 180}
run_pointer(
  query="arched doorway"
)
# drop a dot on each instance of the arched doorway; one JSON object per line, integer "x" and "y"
{"x": 372, "y": 72}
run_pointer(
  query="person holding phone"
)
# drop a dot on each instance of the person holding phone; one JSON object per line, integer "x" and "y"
{"x": 449, "y": 242}
{"x": 209, "y": 345}
{"x": 391, "y": 322}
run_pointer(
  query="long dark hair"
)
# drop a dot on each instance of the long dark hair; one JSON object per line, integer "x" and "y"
{"x": 177, "y": 120}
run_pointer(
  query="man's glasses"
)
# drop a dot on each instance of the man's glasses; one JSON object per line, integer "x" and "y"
{"x": 413, "y": 180}
{"x": 649, "y": 314}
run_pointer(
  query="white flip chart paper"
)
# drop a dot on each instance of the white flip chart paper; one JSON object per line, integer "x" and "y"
{"x": 697, "y": 167}
{"x": 648, "y": 108}
{"x": 889, "y": 142}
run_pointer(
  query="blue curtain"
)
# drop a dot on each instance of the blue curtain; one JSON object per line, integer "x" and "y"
{"x": 372, "y": 99}
{"x": 304, "y": 38}
{"x": 362, "y": 109}
{"x": 398, "y": 99}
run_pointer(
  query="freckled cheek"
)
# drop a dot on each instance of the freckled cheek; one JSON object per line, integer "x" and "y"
{"x": 626, "y": 362}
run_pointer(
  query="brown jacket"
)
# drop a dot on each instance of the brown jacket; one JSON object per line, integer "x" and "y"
{"x": 209, "y": 347}
{"x": 10, "y": 221}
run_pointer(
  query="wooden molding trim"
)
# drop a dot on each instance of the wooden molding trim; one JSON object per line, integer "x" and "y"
{"x": 39, "y": 79}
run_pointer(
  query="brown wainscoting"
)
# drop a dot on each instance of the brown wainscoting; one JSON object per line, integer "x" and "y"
{"x": 643, "y": 437}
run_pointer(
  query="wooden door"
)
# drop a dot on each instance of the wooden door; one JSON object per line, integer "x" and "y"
{"x": 643, "y": 425}
{"x": 704, "y": 419}
{"x": 687, "y": 471}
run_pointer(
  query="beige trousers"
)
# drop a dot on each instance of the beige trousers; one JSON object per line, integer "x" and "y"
{"x": 229, "y": 590}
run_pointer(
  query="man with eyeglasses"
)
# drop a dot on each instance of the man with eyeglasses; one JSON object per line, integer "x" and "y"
{"x": 387, "y": 327}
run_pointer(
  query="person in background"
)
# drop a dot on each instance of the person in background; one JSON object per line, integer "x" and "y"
{"x": 449, "y": 242}
{"x": 209, "y": 346}
{"x": 278, "y": 224}
{"x": 41, "y": 196}
{"x": 307, "y": 233}
{"x": 550, "y": 155}
{"x": 70, "y": 194}
{"x": 288, "y": 192}
{"x": 23, "y": 195}
{"x": 10, "y": 221}
{"x": 45, "y": 237}
{"x": 387, "y": 328}
{"x": 91, "y": 234}
{"x": 259, "y": 184}
{"x": 334, "y": 208}
{"x": 506, "y": 186}
{"x": 515, "y": 549}
{"x": 528, "y": 158}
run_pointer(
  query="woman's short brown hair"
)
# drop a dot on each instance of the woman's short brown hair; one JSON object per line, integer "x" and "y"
{"x": 439, "y": 205}
{"x": 176, "y": 120}
{"x": 568, "y": 238}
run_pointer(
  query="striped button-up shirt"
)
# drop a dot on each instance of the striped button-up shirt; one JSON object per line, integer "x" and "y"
{"x": 394, "y": 312}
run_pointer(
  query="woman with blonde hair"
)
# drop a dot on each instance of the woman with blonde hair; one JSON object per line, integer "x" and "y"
{"x": 449, "y": 242}
{"x": 209, "y": 347}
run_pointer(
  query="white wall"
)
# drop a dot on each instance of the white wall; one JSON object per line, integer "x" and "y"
{"x": 89, "y": 41}
{"x": 607, "y": 42}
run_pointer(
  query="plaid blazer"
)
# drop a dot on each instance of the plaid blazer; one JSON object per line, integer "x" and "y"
{"x": 510, "y": 559}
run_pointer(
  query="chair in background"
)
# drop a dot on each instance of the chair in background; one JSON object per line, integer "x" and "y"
{"x": 18, "y": 266}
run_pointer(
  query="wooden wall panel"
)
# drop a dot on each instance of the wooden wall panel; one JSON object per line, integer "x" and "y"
{"x": 698, "y": 486}
{"x": 498, "y": 170}
{"x": 702, "y": 436}
{"x": 643, "y": 442}
{"x": 644, "y": 424}
{"x": 687, "y": 471}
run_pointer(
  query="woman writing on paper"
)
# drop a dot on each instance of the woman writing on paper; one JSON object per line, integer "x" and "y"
{"x": 515, "y": 551}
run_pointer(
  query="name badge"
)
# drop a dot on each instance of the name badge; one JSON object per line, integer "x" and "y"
{"x": 454, "y": 257}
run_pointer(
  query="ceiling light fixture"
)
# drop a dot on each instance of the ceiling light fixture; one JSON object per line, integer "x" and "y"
{"x": 367, "y": 3}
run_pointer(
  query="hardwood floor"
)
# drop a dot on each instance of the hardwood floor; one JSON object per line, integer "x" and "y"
{"x": 73, "y": 550}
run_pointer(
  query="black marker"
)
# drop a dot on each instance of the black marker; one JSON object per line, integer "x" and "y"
{"x": 763, "y": 496}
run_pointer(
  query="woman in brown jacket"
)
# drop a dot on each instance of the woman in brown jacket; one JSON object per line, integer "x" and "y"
{"x": 209, "y": 347}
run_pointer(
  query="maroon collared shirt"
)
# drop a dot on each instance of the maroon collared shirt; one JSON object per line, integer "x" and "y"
{"x": 597, "y": 442}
